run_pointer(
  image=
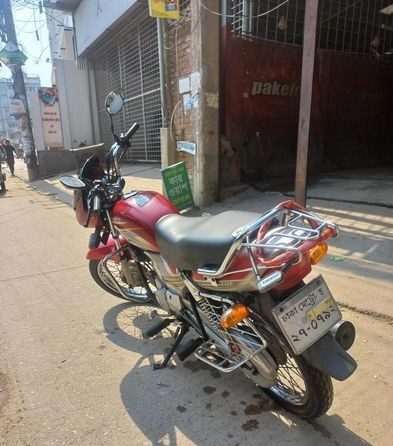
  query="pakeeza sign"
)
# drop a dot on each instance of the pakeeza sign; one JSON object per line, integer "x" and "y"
{"x": 50, "y": 115}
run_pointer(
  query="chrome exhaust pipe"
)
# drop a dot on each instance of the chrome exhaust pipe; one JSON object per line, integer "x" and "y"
{"x": 344, "y": 333}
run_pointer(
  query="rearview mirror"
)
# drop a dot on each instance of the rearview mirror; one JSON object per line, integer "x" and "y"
{"x": 72, "y": 182}
{"x": 114, "y": 103}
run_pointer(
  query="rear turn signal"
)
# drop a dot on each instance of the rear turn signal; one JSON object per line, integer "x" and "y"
{"x": 234, "y": 315}
{"x": 318, "y": 253}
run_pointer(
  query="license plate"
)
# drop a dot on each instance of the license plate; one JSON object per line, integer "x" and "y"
{"x": 307, "y": 315}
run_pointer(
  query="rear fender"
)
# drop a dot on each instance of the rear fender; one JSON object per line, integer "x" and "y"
{"x": 329, "y": 357}
{"x": 103, "y": 250}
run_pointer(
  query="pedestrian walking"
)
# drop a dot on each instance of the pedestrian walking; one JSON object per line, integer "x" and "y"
{"x": 9, "y": 153}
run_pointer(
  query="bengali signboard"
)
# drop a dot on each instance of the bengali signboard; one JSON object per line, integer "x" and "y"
{"x": 164, "y": 9}
{"x": 50, "y": 115}
{"x": 177, "y": 186}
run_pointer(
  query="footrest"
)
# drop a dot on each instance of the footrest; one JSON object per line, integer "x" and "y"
{"x": 224, "y": 360}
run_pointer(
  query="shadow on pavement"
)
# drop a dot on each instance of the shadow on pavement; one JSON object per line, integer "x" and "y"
{"x": 365, "y": 244}
{"x": 196, "y": 402}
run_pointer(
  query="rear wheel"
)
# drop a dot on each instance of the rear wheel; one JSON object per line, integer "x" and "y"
{"x": 136, "y": 292}
{"x": 301, "y": 388}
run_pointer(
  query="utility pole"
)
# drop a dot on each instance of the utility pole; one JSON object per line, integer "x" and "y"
{"x": 20, "y": 90}
{"x": 168, "y": 147}
{"x": 310, "y": 25}
{"x": 205, "y": 56}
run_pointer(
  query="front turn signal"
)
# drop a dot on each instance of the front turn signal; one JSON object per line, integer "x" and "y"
{"x": 234, "y": 315}
{"x": 318, "y": 253}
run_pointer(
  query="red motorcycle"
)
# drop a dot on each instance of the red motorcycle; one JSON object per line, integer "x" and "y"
{"x": 236, "y": 279}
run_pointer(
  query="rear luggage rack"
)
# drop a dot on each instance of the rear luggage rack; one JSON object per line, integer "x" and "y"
{"x": 292, "y": 221}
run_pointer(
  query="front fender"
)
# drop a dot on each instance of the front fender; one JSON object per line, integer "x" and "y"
{"x": 103, "y": 250}
{"x": 329, "y": 357}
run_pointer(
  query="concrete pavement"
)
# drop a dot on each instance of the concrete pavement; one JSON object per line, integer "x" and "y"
{"x": 75, "y": 371}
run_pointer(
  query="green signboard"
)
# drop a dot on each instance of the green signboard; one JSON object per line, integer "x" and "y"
{"x": 177, "y": 186}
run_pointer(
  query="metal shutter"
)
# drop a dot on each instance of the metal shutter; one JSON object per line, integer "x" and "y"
{"x": 129, "y": 63}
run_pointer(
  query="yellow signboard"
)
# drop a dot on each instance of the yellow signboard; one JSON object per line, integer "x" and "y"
{"x": 164, "y": 9}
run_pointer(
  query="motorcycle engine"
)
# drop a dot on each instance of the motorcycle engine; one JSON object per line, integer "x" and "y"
{"x": 132, "y": 272}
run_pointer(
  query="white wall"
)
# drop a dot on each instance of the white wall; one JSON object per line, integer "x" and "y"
{"x": 74, "y": 100}
{"x": 93, "y": 17}
{"x": 35, "y": 115}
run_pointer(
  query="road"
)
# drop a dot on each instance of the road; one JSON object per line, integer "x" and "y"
{"x": 74, "y": 369}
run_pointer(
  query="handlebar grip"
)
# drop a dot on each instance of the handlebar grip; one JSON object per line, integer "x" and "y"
{"x": 130, "y": 132}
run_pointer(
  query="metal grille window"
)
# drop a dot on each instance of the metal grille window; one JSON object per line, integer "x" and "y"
{"x": 130, "y": 64}
{"x": 362, "y": 27}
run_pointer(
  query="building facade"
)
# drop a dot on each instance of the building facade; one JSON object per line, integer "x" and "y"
{"x": 72, "y": 80}
{"x": 226, "y": 76}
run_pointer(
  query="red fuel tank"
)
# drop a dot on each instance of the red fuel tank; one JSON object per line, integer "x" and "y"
{"x": 136, "y": 214}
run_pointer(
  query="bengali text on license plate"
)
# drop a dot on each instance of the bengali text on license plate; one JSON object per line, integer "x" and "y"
{"x": 307, "y": 315}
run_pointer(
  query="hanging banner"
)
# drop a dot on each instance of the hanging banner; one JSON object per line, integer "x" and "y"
{"x": 50, "y": 115}
{"x": 10, "y": 54}
{"x": 16, "y": 107}
{"x": 164, "y": 9}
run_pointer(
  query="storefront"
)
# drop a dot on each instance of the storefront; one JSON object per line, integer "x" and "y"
{"x": 125, "y": 58}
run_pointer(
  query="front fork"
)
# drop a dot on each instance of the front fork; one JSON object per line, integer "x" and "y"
{"x": 125, "y": 270}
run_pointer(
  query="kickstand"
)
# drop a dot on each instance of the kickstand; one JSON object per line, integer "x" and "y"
{"x": 179, "y": 336}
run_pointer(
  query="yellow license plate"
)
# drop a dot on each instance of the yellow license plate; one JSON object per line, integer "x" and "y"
{"x": 307, "y": 315}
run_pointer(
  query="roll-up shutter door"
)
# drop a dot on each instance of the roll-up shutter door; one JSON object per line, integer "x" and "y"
{"x": 129, "y": 63}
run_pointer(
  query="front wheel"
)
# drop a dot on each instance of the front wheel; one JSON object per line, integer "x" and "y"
{"x": 301, "y": 388}
{"x": 134, "y": 293}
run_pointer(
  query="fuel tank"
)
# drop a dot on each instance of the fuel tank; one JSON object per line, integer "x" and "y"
{"x": 136, "y": 214}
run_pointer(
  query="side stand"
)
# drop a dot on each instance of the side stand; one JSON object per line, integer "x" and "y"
{"x": 184, "y": 327}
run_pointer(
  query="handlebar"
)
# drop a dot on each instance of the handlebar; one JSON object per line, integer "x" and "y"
{"x": 131, "y": 131}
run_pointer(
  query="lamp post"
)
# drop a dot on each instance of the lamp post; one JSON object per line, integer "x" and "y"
{"x": 20, "y": 89}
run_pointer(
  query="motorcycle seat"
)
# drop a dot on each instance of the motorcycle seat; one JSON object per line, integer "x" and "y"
{"x": 190, "y": 243}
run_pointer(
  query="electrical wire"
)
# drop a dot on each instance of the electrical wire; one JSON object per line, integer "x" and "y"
{"x": 26, "y": 23}
{"x": 230, "y": 16}
{"x": 32, "y": 32}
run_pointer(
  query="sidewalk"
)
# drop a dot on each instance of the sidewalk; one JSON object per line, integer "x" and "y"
{"x": 144, "y": 176}
{"x": 361, "y": 258}
{"x": 75, "y": 370}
